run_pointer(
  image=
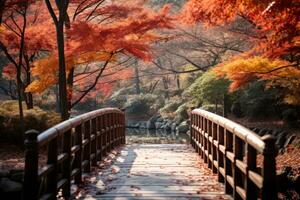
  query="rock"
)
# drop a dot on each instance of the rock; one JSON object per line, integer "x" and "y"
{"x": 150, "y": 125}
{"x": 167, "y": 127}
{"x": 281, "y": 138}
{"x": 159, "y": 119}
{"x": 18, "y": 176}
{"x": 13, "y": 171}
{"x": 283, "y": 179}
{"x": 4, "y": 173}
{"x": 133, "y": 125}
{"x": 178, "y": 119}
{"x": 256, "y": 130}
{"x": 173, "y": 127}
{"x": 276, "y": 133}
{"x": 263, "y": 132}
{"x": 158, "y": 125}
{"x": 296, "y": 184}
{"x": 289, "y": 140}
{"x": 143, "y": 125}
{"x": 183, "y": 127}
{"x": 137, "y": 125}
{"x": 8, "y": 186}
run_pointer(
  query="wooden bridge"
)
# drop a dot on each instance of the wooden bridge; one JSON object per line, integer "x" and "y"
{"x": 224, "y": 161}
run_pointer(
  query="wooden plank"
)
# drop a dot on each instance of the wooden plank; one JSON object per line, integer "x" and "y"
{"x": 156, "y": 171}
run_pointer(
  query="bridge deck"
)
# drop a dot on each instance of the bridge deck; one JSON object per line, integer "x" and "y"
{"x": 155, "y": 171}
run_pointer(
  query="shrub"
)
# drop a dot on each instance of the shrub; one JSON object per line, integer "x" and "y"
{"x": 181, "y": 113}
{"x": 212, "y": 108}
{"x": 290, "y": 117}
{"x": 141, "y": 104}
{"x": 35, "y": 118}
{"x": 168, "y": 111}
{"x": 236, "y": 109}
{"x": 259, "y": 102}
{"x": 208, "y": 88}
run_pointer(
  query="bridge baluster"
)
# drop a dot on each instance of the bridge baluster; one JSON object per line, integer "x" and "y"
{"x": 99, "y": 137}
{"x": 238, "y": 156}
{"x": 78, "y": 153}
{"x": 221, "y": 154}
{"x": 231, "y": 151}
{"x": 66, "y": 165}
{"x": 228, "y": 162}
{"x": 269, "y": 169}
{"x": 251, "y": 190}
{"x": 51, "y": 180}
{"x": 214, "y": 148}
{"x": 87, "y": 146}
{"x": 86, "y": 137}
{"x": 31, "y": 165}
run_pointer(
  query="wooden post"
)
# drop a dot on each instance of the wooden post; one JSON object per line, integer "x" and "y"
{"x": 192, "y": 131}
{"x": 238, "y": 154}
{"x": 220, "y": 136}
{"x": 227, "y": 161}
{"x": 214, "y": 148}
{"x": 87, "y": 147}
{"x": 251, "y": 191}
{"x": 105, "y": 133}
{"x": 196, "y": 134}
{"x": 205, "y": 140}
{"x": 94, "y": 141}
{"x": 78, "y": 157}
{"x": 99, "y": 135}
{"x": 113, "y": 132}
{"x": 30, "y": 190}
{"x": 209, "y": 145}
{"x": 269, "y": 190}
{"x": 201, "y": 136}
{"x": 66, "y": 165}
{"x": 110, "y": 125}
{"x": 52, "y": 175}
{"x": 123, "y": 127}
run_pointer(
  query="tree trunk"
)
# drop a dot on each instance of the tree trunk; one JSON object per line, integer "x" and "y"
{"x": 21, "y": 114}
{"x": 20, "y": 85}
{"x": 2, "y": 6}
{"x": 178, "y": 81}
{"x": 137, "y": 79}
{"x": 57, "y": 103}
{"x": 28, "y": 95}
{"x": 70, "y": 82}
{"x": 62, "y": 83}
{"x": 225, "y": 107}
{"x": 166, "y": 88}
{"x": 59, "y": 21}
{"x": 29, "y": 100}
{"x": 216, "y": 106}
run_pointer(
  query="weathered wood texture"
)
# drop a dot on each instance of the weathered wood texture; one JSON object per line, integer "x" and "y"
{"x": 71, "y": 148}
{"x": 155, "y": 171}
{"x": 231, "y": 151}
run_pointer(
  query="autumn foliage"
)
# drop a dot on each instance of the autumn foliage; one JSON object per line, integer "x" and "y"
{"x": 98, "y": 34}
{"x": 276, "y": 22}
{"x": 275, "y": 53}
{"x": 94, "y": 42}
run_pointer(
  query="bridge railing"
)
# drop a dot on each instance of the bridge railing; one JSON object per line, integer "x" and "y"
{"x": 245, "y": 162}
{"x": 62, "y": 153}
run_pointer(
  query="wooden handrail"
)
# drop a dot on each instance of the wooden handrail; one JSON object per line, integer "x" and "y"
{"x": 72, "y": 147}
{"x": 231, "y": 150}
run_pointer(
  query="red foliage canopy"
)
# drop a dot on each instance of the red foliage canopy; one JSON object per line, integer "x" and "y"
{"x": 277, "y": 21}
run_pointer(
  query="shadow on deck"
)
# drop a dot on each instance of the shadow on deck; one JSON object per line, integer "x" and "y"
{"x": 155, "y": 171}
